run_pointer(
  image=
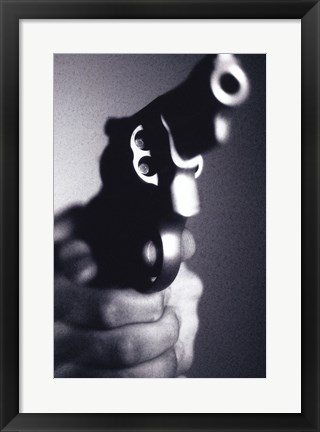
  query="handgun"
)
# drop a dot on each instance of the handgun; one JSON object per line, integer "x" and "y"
{"x": 136, "y": 225}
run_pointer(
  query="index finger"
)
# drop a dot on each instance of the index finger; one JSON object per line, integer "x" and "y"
{"x": 65, "y": 223}
{"x": 96, "y": 308}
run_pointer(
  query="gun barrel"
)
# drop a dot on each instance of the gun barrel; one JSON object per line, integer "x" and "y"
{"x": 192, "y": 110}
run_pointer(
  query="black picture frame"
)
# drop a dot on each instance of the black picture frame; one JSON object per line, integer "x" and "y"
{"x": 11, "y": 12}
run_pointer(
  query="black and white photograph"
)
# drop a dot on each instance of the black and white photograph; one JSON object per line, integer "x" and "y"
{"x": 159, "y": 215}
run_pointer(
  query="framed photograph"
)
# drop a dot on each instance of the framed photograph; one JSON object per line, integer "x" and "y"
{"x": 159, "y": 214}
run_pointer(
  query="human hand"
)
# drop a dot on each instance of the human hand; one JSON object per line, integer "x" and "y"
{"x": 118, "y": 332}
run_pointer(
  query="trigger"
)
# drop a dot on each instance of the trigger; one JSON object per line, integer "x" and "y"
{"x": 165, "y": 255}
{"x": 184, "y": 191}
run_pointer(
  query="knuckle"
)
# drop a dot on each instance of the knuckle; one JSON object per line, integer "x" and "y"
{"x": 62, "y": 230}
{"x": 109, "y": 313}
{"x": 73, "y": 249}
{"x": 65, "y": 223}
{"x": 126, "y": 351}
{"x": 62, "y": 331}
{"x": 86, "y": 271}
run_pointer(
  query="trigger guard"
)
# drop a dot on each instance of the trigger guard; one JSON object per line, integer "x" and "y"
{"x": 170, "y": 257}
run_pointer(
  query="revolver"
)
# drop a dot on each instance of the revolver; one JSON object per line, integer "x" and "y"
{"x": 136, "y": 224}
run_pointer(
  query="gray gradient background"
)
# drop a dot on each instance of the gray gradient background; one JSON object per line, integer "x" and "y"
{"x": 229, "y": 232}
